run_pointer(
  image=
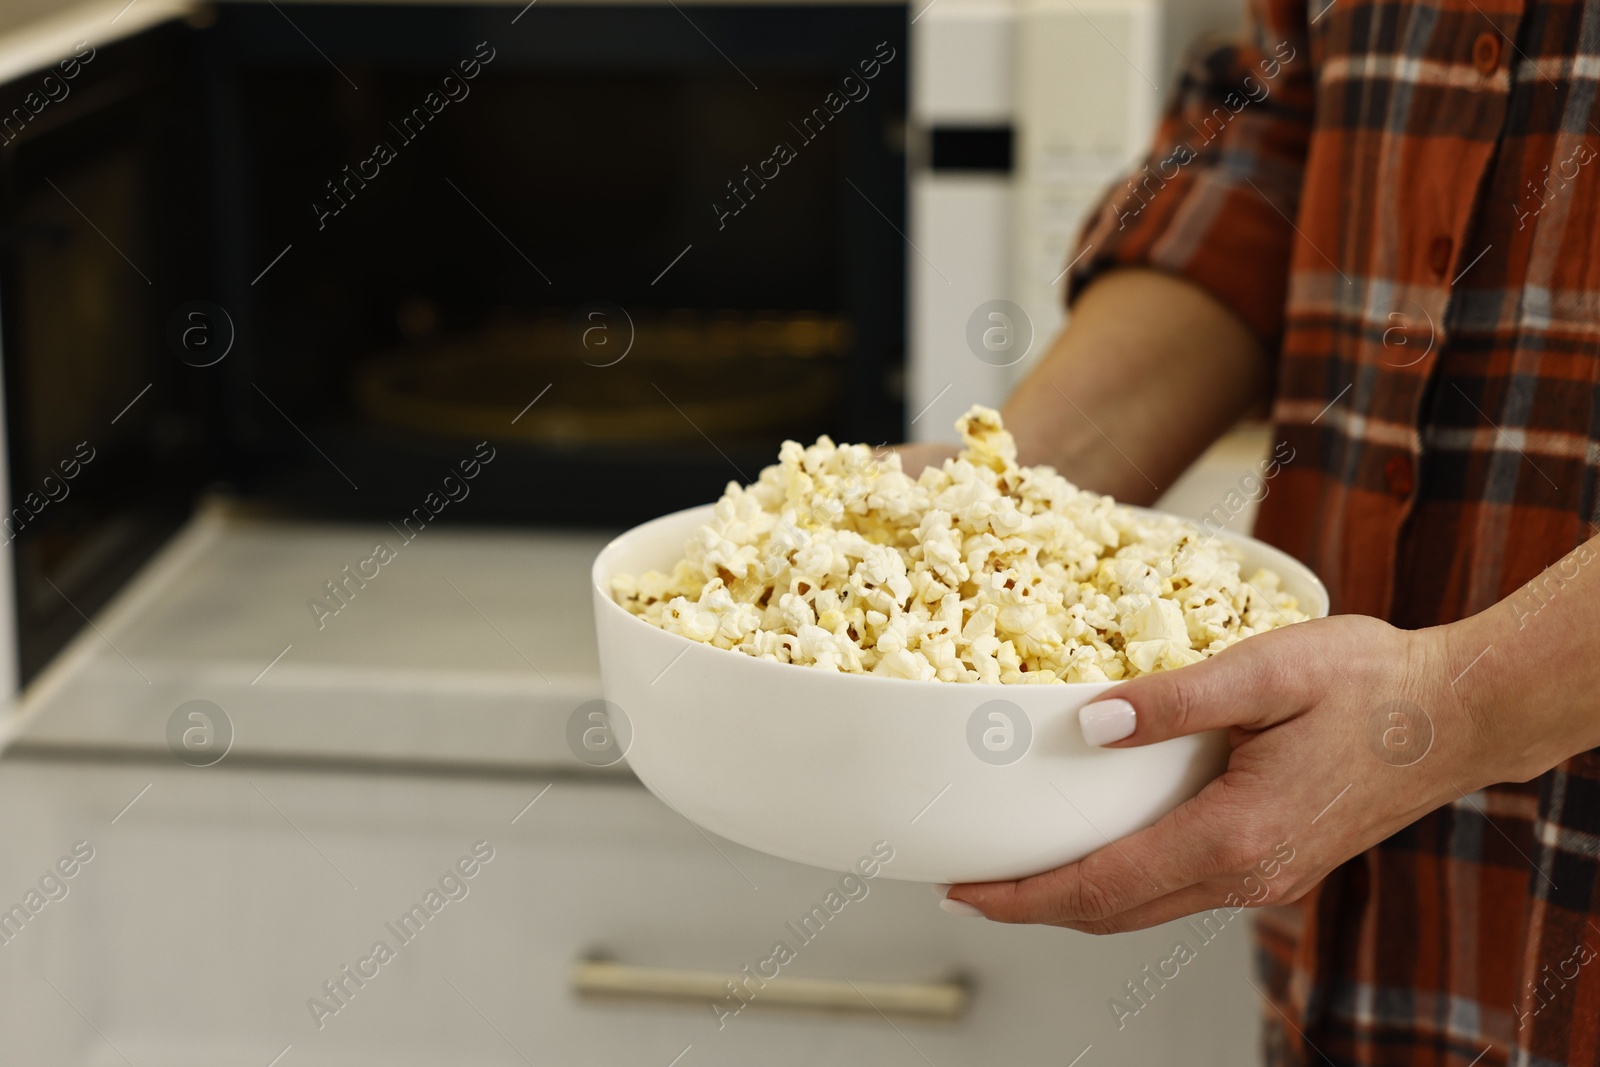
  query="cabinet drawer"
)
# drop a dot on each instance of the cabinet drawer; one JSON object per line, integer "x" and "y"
{"x": 219, "y": 903}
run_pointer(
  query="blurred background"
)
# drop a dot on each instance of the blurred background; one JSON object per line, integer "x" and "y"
{"x": 337, "y": 338}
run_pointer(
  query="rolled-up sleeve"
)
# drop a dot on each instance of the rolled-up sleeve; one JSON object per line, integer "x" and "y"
{"x": 1214, "y": 198}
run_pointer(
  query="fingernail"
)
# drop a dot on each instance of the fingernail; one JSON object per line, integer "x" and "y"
{"x": 1106, "y": 721}
{"x": 954, "y": 907}
{"x": 960, "y": 907}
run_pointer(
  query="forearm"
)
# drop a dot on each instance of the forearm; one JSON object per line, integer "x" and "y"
{"x": 1528, "y": 669}
{"x": 1148, "y": 372}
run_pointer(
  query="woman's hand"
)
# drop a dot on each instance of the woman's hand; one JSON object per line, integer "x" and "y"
{"x": 1344, "y": 730}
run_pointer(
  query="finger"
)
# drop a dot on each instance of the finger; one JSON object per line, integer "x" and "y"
{"x": 1212, "y": 906}
{"x": 1255, "y": 683}
{"x": 1187, "y": 846}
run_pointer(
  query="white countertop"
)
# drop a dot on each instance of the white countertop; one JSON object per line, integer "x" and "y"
{"x": 468, "y": 645}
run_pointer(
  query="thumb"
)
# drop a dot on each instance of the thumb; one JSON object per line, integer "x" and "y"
{"x": 1253, "y": 684}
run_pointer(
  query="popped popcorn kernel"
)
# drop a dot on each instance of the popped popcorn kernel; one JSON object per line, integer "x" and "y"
{"x": 976, "y": 571}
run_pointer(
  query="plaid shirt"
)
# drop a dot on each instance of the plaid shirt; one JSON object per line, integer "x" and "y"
{"x": 1399, "y": 199}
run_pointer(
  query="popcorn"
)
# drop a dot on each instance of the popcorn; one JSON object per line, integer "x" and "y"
{"x": 979, "y": 571}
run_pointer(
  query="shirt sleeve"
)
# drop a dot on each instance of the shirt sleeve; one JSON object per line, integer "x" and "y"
{"x": 1213, "y": 199}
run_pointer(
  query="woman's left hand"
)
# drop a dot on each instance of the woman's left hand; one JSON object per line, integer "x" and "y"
{"x": 1344, "y": 730}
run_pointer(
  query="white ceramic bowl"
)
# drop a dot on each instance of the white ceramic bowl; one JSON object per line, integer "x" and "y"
{"x": 816, "y": 766}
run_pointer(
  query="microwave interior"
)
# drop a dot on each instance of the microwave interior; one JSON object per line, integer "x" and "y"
{"x": 591, "y": 253}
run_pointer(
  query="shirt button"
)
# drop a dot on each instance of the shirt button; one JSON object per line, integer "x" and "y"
{"x": 1486, "y": 53}
{"x": 1397, "y": 472}
{"x": 1439, "y": 250}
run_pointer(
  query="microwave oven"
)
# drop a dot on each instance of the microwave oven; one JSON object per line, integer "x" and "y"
{"x": 322, "y": 260}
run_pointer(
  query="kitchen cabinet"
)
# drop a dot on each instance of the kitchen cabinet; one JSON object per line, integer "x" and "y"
{"x": 219, "y": 900}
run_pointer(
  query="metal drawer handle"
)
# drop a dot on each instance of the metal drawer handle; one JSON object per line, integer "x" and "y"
{"x": 919, "y": 1000}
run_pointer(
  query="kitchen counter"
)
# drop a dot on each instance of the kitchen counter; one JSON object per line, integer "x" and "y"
{"x": 467, "y": 646}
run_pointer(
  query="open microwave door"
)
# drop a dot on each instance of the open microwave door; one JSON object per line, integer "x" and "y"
{"x": 102, "y": 223}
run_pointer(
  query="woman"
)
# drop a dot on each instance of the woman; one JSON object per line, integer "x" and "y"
{"x": 1381, "y": 215}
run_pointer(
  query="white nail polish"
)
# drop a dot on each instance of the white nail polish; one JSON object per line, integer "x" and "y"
{"x": 1106, "y": 721}
{"x": 942, "y": 889}
{"x": 960, "y": 907}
